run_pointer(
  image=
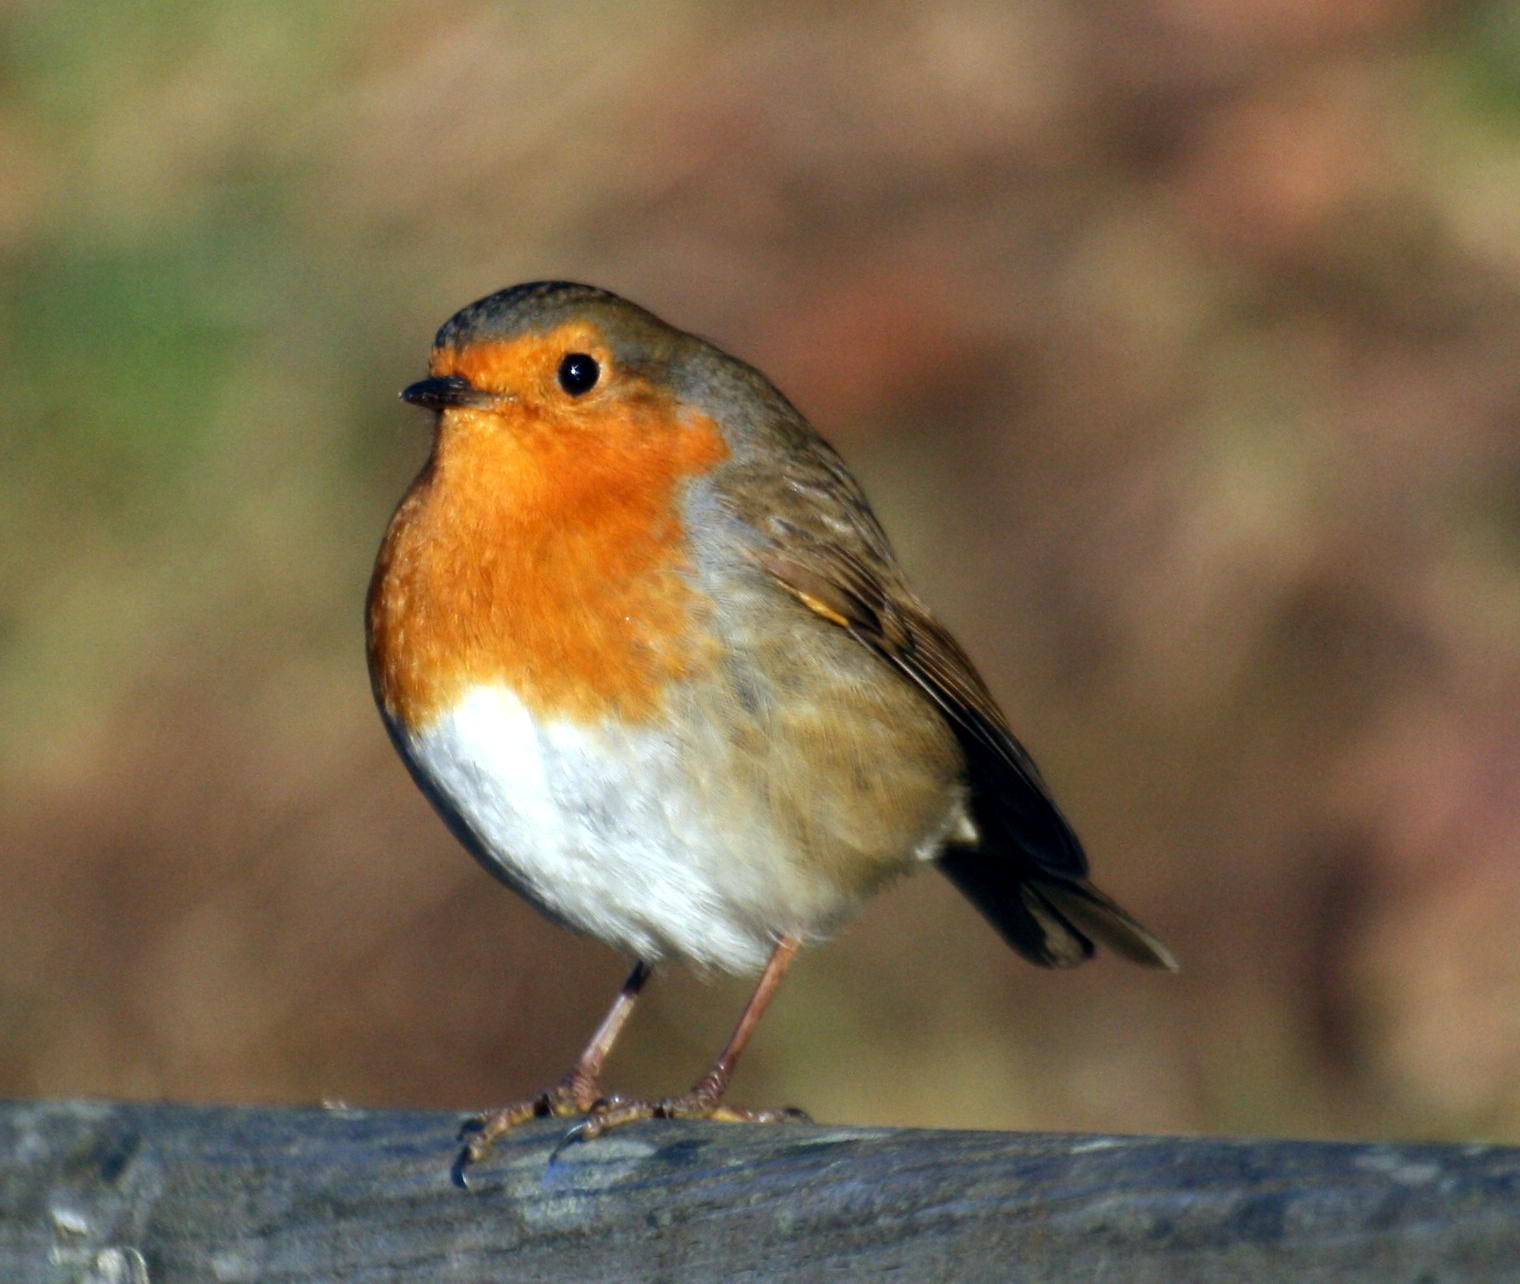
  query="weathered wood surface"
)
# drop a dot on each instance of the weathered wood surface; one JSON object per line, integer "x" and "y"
{"x": 132, "y": 1193}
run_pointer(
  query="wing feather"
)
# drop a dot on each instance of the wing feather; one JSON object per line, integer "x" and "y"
{"x": 1028, "y": 872}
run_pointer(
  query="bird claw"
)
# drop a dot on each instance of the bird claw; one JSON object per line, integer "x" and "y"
{"x": 615, "y": 1112}
{"x": 478, "y": 1134}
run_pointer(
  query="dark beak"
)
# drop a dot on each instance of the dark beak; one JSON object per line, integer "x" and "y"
{"x": 445, "y": 391}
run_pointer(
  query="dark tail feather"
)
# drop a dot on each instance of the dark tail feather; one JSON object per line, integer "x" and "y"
{"x": 1050, "y": 919}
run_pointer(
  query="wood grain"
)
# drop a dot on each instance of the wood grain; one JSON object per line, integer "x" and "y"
{"x": 142, "y": 1192}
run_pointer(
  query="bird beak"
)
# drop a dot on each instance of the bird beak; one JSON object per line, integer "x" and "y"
{"x": 444, "y": 391}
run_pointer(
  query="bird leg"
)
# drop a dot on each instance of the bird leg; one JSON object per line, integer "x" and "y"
{"x": 705, "y": 1100}
{"x": 575, "y": 1094}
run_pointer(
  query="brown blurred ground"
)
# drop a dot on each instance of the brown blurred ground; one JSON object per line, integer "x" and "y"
{"x": 1176, "y": 341}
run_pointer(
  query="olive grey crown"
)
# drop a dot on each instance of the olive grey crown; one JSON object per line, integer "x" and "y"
{"x": 694, "y": 369}
{"x": 517, "y": 308}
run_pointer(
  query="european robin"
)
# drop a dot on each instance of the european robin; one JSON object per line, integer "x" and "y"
{"x": 639, "y": 638}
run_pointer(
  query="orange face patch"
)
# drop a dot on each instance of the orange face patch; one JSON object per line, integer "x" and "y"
{"x": 524, "y": 366}
{"x": 541, "y": 546}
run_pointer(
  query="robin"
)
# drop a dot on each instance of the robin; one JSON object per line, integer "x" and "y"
{"x": 641, "y": 641}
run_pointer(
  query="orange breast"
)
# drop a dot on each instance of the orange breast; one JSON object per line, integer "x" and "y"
{"x": 547, "y": 554}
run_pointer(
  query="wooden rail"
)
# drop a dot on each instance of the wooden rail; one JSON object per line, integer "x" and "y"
{"x": 129, "y": 1194}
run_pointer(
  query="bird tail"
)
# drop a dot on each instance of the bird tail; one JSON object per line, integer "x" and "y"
{"x": 1053, "y": 919}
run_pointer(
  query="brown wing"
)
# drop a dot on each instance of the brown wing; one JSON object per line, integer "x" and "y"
{"x": 833, "y": 582}
{"x": 1028, "y": 874}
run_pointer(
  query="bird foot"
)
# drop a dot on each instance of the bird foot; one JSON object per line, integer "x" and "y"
{"x": 572, "y": 1095}
{"x": 616, "y": 1112}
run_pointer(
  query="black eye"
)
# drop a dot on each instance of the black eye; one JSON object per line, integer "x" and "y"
{"x": 578, "y": 373}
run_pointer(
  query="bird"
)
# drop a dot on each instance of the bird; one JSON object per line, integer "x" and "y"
{"x": 639, "y": 638}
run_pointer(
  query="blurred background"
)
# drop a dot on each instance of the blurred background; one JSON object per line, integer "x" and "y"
{"x": 1176, "y": 341}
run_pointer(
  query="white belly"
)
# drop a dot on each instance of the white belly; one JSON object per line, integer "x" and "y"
{"x": 608, "y": 830}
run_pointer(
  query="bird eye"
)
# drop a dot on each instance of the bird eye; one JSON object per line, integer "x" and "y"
{"x": 578, "y": 373}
